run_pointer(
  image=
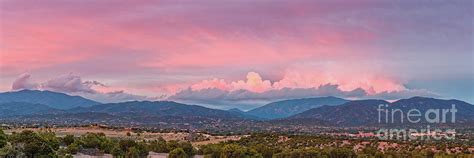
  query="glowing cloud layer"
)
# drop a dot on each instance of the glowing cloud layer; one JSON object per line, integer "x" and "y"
{"x": 255, "y": 91}
{"x": 255, "y": 83}
{"x": 73, "y": 84}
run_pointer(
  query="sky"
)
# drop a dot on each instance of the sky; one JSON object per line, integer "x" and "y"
{"x": 238, "y": 53}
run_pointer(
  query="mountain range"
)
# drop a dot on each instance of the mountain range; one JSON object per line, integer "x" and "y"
{"x": 366, "y": 112}
{"x": 158, "y": 108}
{"x": 37, "y": 106}
{"x": 22, "y": 108}
{"x": 286, "y": 108}
{"x": 49, "y": 98}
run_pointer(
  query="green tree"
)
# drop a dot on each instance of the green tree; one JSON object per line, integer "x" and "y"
{"x": 158, "y": 146}
{"x": 178, "y": 153}
{"x": 133, "y": 149}
{"x": 117, "y": 152}
{"x": 125, "y": 144}
{"x": 51, "y": 139}
{"x": 68, "y": 139}
{"x": 9, "y": 151}
{"x": 237, "y": 151}
{"x": 72, "y": 148}
{"x": 31, "y": 144}
{"x": 341, "y": 153}
{"x": 92, "y": 140}
{"x": 232, "y": 150}
{"x": 187, "y": 147}
{"x": 211, "y": 150}
{"x": 108, "y": 145}
{"x": 3, "y": 139}
{"x": 266, "y": 151}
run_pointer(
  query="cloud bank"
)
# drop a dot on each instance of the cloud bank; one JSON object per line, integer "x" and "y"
{"x": 24, "y": 82}
{"x": 74, "y": 85}
{"x": 255, "y": 91}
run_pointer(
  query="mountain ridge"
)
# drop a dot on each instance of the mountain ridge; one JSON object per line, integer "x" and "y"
{"x": 286, "y": 108}
{"x": 22, "y": 108}
{"x": 52, "y": 99}
{"x": 159, "y": 108}
{"x": 365, "y": 112}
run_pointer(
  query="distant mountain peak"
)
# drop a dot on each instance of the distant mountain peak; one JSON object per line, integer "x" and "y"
{"x": 236, "y": 110}
{"x": 49, "y": 98}
{"x": 286, "y": 108}
{"x": 365, "y": 112}
{"x": 368, "y": 102}
{"x": 21, "y": 108}
{"x": 429, "y": 98}
{"x": 159, "y": 108}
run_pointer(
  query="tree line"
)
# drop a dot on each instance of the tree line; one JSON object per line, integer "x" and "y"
{"x": 301, "y": 146}
{"x": 47, "y": 144}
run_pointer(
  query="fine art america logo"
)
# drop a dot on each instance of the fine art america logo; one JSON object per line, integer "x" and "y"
{"x": 415, "y": 117}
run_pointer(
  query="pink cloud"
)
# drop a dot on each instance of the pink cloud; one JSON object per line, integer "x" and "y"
{"x": 70, "y": 83}
{"x": 24, "y": 82}
{"x": 255, "y": 91}
{"x": 75, "y": 85}
{"x": 213, "y": 83}
{"x": 372, "y": 83}
{"x": 254, "y": 83}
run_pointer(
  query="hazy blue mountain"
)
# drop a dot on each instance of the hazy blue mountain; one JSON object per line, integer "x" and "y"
{"x": 365, "y": 113}
{"x": 22, "y": 108}
{"x": 358, "y": 112}
{"x": 465, "y": 111}
{"x": 236, "y": 110}
{"x": 146, "y": 113}
{"x": 51, "y": 99}
{"x": 286, "y": 108}
{"x": 159, "y": 108}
